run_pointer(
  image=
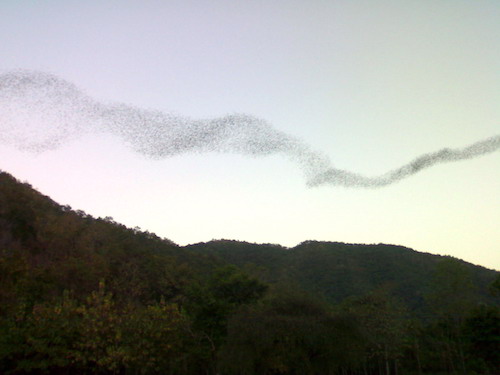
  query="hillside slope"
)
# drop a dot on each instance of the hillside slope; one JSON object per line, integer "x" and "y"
{"x": 338, "y": 270}
{"x": 87, "y": 295}
{"x": 84, "y": 250}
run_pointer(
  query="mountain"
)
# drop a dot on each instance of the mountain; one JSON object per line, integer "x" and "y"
{"x": 338, "y": 270}
{"x": 63, "y": 271}
{"x": 84, "y": 250}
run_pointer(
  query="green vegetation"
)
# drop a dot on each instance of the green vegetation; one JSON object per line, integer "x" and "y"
{"x": 80, "y": 295}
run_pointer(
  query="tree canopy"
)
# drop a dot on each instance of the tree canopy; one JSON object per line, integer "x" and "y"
{"x": 86, "y": 295}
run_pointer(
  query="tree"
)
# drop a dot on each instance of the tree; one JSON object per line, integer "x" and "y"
{"x": 384, "y": 325}
{"x": 450, "y": 299}
{"x": 482, "y": 336}
{"x": 209, "y": 305}
{"x": 43, "y": 338}
{"x": 495, "y": 287}
{"x": 290, "y": 333}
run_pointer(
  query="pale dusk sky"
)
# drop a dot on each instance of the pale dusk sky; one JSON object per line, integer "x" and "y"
{"x": 370, "y": 84}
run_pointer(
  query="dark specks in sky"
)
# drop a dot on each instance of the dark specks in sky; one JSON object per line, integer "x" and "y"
{"x": 40, "y": 111}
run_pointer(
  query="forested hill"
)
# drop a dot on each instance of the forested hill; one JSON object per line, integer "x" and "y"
{"x": 338, "y": 270}
{"x": 81, "y": 295}
{"x": 56, "y": 248}
{"x": 334, "y": 270}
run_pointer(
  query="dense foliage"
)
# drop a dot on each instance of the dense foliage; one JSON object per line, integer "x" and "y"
{"x": 80, "y": 295}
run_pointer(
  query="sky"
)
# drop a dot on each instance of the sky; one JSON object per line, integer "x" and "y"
{"x": 367, "y": 85}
